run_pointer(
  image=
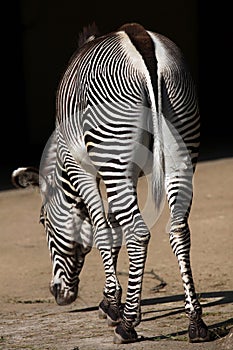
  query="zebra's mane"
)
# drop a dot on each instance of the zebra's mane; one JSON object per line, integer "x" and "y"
{"x": 88, "y": 33}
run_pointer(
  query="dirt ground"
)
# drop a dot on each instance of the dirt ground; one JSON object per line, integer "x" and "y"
{"x": 30, "y": 318}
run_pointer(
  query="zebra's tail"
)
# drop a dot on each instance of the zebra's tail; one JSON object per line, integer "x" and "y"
{"x": 145, "y": 43}
{"x": 25, "y": 177}
{"x": 158, "y": 166}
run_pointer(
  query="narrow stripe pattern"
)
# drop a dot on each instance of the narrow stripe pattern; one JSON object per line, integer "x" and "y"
{"x": 125, "y": 101}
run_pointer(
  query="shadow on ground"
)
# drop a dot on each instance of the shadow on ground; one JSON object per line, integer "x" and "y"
{"x": 217, "y": 330}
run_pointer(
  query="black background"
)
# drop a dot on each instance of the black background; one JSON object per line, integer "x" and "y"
{"x": 39, "y": 37}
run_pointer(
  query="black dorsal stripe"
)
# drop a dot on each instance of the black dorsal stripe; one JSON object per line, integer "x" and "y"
{"x": 145, "y": 46}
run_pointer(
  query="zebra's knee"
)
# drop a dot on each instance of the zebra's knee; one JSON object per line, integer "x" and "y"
{"x": 143, "y": 238}
{"x": 133, "y": 227}
{"x": 103, "y": 238}
{"x": 179, "y": 227}
{"x": 180, "y": 237}
{"x": 138, "y": 239}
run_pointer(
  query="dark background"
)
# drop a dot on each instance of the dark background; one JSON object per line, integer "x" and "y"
{"x": 40, "y": 36}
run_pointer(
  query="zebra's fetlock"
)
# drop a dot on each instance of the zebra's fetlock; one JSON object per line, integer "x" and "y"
{"x": 118, "y": 295}
{"x": 113, "y": 315}
{"x": 103, "y": 308}
{"x": 196, "y": 313}
{"x": 111, "y": 309}
{"x": 125, "y": 333}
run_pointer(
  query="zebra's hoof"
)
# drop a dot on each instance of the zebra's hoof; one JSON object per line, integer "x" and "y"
{"x": 124, "y": 336}
{"x": 102, "y": 314}
{"x": 109, "y": 312}
{"x": 198, "y": 331}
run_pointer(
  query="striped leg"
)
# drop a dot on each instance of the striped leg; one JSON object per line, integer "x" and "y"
{"x": 117, "y": 236}
{"x": 103, "y": 239}
{"x": 110, "y": 307}
{"x": 83, "y": 233}
{"x": 179, "y": 193}
{"x": 126, "y": 211}
{"x": 88, "y": 189}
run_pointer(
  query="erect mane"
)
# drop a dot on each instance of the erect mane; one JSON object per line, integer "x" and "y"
{"x": 88, "y": 33}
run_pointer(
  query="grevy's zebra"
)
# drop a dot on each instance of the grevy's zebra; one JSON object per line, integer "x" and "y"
{"x": 126, "y": 100}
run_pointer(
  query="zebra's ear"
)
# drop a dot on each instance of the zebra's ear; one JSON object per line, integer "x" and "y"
{"x": 25, "y": 177}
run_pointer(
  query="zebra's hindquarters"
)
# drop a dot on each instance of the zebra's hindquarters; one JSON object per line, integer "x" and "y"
{"x": 100, "y": 104}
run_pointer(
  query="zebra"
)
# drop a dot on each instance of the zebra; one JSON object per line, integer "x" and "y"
{"x": 126, "y": 106}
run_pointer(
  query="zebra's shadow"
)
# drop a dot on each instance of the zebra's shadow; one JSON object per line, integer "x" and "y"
{"x": 220, "y": 298}
{"x": 217, "y": 330}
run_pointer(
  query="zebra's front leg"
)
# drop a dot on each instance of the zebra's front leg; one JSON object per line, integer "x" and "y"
{"x": 180, "y": 243}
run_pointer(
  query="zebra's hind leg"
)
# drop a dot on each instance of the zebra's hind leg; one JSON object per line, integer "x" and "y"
{"x": 87, "y": 186}
{"x": 137, "y": 251}
{"x": 137, "y": 237}
{"x": 180, "y": 242}
{"x": 180, "y": 205}
{"x": 111, "y": 307}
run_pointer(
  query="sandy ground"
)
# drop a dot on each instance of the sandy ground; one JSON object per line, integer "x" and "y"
{"x": 30, "y": 318}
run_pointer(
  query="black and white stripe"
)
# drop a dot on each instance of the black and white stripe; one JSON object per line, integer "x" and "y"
{"x": 126, "y": 100}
